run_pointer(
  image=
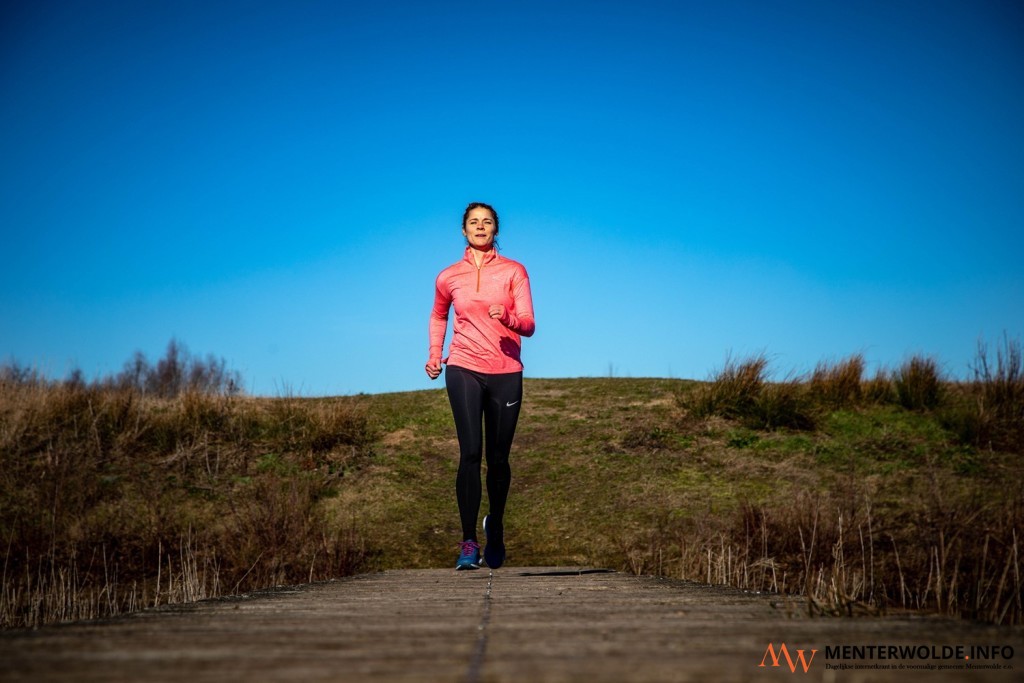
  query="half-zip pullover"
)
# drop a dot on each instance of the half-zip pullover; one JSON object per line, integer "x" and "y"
{"x": 480, "y": 342}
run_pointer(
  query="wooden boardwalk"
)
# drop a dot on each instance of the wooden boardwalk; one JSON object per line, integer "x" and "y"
{"x": 513, "y": 625}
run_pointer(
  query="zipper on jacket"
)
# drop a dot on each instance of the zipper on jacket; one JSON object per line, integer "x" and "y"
{"x": 478, "y": 269}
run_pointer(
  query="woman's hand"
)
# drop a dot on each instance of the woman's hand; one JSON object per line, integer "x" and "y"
{"x": 433, "y": 369}
{"x": 498, "y": 312}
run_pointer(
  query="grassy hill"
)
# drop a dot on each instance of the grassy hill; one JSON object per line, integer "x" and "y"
{"x": 878, "y": 506}
{"x": 856, "y": 500}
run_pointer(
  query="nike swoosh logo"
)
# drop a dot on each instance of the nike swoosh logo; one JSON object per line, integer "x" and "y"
{"x": 509, "y": 405}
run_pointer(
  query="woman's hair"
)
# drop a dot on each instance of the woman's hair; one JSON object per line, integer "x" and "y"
{"x": 481, "y": 205}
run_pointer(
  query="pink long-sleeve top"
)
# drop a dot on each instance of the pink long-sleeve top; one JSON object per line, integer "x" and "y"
{"x": 480, "y": 342}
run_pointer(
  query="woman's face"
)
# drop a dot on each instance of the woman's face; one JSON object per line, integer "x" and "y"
{"x": 479, "y": 228}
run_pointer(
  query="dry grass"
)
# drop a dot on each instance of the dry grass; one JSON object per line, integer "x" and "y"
{"x": 828, "y": 490}
{"x": 838, "y": 385}
{"x": 733, "y": 392}
{"x": 742, "y": 391}
{"x": 952, "y": 547}
{"x": 989, "y": 411}
{"x": 114, "y": 500}
{"x": 919, "y": 384}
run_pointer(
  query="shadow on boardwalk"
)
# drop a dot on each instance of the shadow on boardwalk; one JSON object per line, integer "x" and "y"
{"x": 515, "y": 625}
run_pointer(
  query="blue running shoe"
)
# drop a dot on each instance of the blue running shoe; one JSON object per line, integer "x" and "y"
{"x": 494, "y": 552}
{"x": 470, "y": 557}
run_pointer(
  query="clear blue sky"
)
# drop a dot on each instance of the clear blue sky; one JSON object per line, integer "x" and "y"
{"x": 278, "y": 183}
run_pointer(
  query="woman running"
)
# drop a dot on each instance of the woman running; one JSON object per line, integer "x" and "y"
{"x": 493, "y": 309}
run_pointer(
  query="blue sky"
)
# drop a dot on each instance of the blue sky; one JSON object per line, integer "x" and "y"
{"x": 278, "y": 184}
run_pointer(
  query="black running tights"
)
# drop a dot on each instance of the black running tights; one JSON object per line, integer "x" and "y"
{"x": 495, "y": 400}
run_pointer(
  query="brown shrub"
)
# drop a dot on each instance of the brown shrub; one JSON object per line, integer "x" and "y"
{"x": 838, "y": 385}
{"x": 918, "y": 384}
